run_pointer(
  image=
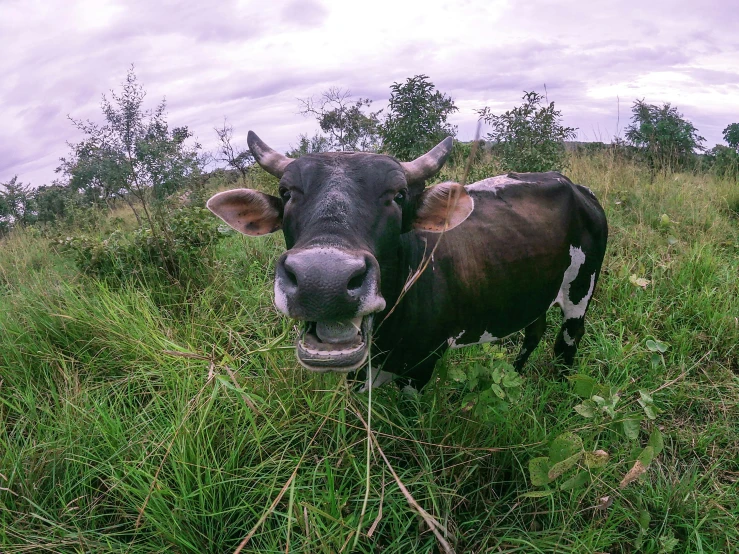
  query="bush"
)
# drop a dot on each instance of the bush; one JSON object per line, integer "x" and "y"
{"x": 142, "y": 255}
{"x": 530, "y": 137}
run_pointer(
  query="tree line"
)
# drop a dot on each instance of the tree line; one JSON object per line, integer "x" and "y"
{"x": 134, "y": 156}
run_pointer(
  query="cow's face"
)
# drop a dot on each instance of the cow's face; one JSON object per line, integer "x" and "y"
{"x": 342, "y": 215}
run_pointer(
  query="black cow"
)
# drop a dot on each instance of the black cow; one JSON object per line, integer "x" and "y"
{"x": 372, "y": 252}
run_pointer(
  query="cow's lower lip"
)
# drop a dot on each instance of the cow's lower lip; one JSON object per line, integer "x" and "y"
{"x": 317, "y": 355}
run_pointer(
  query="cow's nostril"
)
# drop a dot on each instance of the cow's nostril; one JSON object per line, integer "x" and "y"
{"x": 291, "y": 277}
{"x": 356, "y": 282}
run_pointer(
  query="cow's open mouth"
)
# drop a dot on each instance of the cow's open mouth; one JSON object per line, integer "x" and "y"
{"x": 334, "y": 345}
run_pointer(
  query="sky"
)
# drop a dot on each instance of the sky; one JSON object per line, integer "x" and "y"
{"x": 249, "y": 62}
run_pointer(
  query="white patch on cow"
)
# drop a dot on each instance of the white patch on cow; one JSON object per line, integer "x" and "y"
{"x": 484, "y": 338}
{"x": 452, "y": 341}
{"x": 492, "y": 184}
{"x": 568, "y": 339}
{"x": 569, "y": 308}
{"x": 379, "y": 378}
{"x": 588, "y": 189}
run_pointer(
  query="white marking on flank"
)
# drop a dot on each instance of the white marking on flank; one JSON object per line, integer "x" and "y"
{"x": 569, "y": 308}
{"x": 452, "y": 341}
{"x": 484, "y": 338}
{"x": 492, "y": 184}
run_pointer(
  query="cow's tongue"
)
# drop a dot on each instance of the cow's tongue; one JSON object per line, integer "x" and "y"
{"x": 338, "y": 332}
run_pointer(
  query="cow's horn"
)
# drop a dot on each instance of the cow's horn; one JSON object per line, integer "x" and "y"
{"x": 430, "y": 163}
{"x": 273, "y": 162}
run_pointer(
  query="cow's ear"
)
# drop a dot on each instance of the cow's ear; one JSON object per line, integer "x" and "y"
{"x": 248, "y": 211}
{"x": 442, "y": 207}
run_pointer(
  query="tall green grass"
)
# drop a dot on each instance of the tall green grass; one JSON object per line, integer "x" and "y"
{"x": 131, "y": 425}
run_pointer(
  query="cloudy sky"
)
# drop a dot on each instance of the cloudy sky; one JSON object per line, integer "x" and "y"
{"x": 249, "y": 61}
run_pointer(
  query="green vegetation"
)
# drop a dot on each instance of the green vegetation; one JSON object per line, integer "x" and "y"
{"x": 132, "y": 421}
{"x": 416, "y": 119}
{"x": 666, "y": 140}
{"x": 150, "y": 399}
{"x": 530, "y": 137}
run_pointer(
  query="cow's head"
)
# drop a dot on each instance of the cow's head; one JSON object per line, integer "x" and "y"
{"x": 342, "y": 215}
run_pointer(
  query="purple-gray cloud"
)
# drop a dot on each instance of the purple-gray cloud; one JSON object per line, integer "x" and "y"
{"x": 249, "y": 61}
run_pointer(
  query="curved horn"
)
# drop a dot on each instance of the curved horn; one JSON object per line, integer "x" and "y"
{"x": 273, "y": 162}
{"x": 429, "y": 164}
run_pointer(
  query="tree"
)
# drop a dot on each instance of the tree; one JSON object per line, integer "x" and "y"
{"x": 731, "y": 136}
{"x": 723, "y": 161}
{"x": 666, "y": 139}
{"x": 310, "y": 145}
{"x": 417, "y": 118}
{"x": 16, "y": 204}
{"x": 530, "y": 137}
{"x": 234, "y": 157}
{"x": 348, "y": 127}
{"x": 133, "y": 154}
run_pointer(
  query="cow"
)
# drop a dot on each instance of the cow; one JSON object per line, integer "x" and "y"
{"x": 375, "y": 257}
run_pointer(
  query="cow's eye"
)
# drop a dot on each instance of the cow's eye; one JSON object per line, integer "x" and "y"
{"x": 400, "y": 197}
{"x": 285, "y": 194}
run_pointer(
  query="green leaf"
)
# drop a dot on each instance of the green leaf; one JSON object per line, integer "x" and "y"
{"x": 512, "y": 379}
{"x": 650, "y": 412}
{"x": 565, "y": 465}
{"x": 657, "y": 346}
{"x": 671, "y": 241}
{"x": 497, "y": 375}
{"x": 664, "y": 220}
{"x": 565, "y": 446}
{"x": 538, "y": 494}
{"x": 469, "y": 401}
{"x": 646, "y": 456}
{"x": 656, "y": 360}
{"x": 584, "y": 385}
{"x": 457, "y": 374}
{"x": 656, "y": 441}
{"x": 596, "y": 459}
{"x": 586, "y": 409}
{"x": 632, "y": 426}
{"x": 498, "y": 391}
{"x": 580, "y": 479}
{"x": 538, "y": 471}
{"x": 646, "y": 398}
{"x": 644, "y": 519}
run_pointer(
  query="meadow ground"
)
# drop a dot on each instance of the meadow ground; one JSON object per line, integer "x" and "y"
{"x": 136, "y": 423}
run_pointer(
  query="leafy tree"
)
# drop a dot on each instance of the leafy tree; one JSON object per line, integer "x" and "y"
{"x": 16, "y": 204}
{"x": 51, "y": 202}
{"x": 310, "y": 145}
{"x": 723, "y": 161}
{"x": 667, "y": 140}
{"x": 731, "y": 136}
{"x": 133, "y": 154}
{"x": 416, "y": 119}
{"x": 530, "y": 137}
{"x": 348, "y": 127}
{"x": 234, "y": 157}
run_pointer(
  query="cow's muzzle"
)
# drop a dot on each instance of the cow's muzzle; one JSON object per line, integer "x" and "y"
{"x": 335, "y": 292}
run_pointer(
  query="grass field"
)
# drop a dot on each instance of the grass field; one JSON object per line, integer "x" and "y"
{"x": 133, "y": 425}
